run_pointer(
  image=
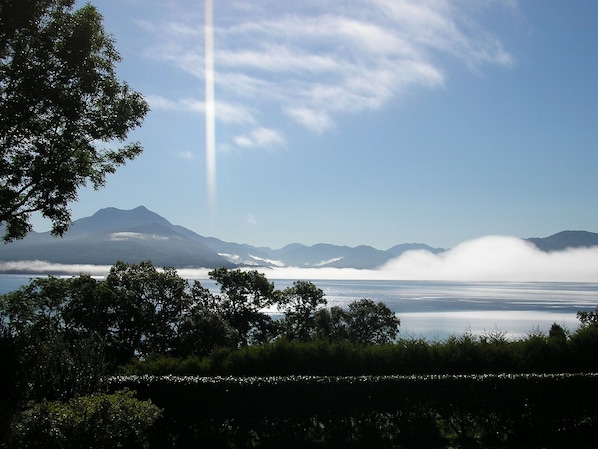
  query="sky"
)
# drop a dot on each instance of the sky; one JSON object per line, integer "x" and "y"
{"x": 361, "y": 122}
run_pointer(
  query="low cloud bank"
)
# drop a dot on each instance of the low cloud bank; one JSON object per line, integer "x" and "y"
{"x": 43, "y": 267}
{"x": 492, "y": 258}
{"x": 496, "y": 258}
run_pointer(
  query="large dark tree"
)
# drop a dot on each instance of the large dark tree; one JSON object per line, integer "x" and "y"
{"x": 64, "y": 114}
{"x": 300, "y": 303}
{"x": 244, "y": 296}
{"x": 149, "y": 307}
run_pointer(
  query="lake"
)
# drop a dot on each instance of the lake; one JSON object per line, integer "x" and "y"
{"x": 437, "y": 310}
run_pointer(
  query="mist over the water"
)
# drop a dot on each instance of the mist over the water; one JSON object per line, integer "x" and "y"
{"x": 498, "y": 258}
{"x": 491, "y": 258}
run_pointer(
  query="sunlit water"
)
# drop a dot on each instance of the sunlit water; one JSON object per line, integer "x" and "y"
{"x": 437, "y": 310}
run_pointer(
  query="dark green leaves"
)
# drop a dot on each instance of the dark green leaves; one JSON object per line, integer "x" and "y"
{"x": 64, "y": 114}
{"x": 98, "y": 421}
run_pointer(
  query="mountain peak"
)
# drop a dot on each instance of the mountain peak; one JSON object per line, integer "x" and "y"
{"x": 113, "y": 218}
{"x": 565, "y": 239}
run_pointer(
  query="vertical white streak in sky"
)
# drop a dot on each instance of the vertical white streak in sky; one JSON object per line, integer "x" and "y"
{"x": 210, "y": 105}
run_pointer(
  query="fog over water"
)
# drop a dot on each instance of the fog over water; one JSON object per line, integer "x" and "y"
{"x": 491, "y": 258}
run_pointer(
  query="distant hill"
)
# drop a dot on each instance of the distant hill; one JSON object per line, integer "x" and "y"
{"x": 112, "y": 234}
{"x": 139, "y": 234}
{"x": 565, "y": 239}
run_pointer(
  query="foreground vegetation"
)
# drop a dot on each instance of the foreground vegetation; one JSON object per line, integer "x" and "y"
{"x": 62, "y": 338}
{"x": 374, "y": 411}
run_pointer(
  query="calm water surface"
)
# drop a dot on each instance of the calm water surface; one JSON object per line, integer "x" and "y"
{"x": 437, "y": 310}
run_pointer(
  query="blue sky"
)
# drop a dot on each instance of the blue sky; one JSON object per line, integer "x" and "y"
{"x": 370, "y": 122}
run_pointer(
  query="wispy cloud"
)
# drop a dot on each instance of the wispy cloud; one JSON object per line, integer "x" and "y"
{"x": 250, "y": 219}
{"x": 185, "y": 155}
{"x": 261, "y": 138}
{"x": 43, "y": 267}
{"x": 123, "y": 236}
{"x": 317, "y": 60}
{"x": 226, "y": 112}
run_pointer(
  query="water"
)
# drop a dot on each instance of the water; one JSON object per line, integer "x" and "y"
{"x": 437, "y": 310}
{"x": 11, "y": 282}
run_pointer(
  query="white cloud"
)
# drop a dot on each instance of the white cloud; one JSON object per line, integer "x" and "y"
{"x": 316, "y": 60}
{"x": 260, "y": 138}
{"x": 486, "y": 259}
{"x": 121, "y": 236}
{"x": 497, "y": 258}
{"x": 316, "y": 121}
{"x": 186, "y": 155}
{"x": 225, "y": 112}
{"x": 43, "y": 267}
{"x": 251, "y": 220}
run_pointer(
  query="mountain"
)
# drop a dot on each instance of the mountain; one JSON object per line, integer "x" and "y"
{"x": 113, "y": 234}
{"x": 139, "y": 234}
{"x": 112, "y": 219}
{"x": 564, "y": 240}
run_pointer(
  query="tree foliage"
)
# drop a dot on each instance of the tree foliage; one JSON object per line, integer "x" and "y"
{"x": 372, "y": 323}
{"x": 149, "y": 306}
{"x": 244, "y": 296}
{"x": 64, "y": 114}
{"x": 588, "y": 319}
{"x": 98, "y": 421}
{"x": 299, "y": 303}
{"x": 365, "y": 322}
{"x": 71, "y": 331}
{"x": 53, "y": 360}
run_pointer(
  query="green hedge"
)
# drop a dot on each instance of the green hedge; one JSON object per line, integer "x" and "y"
{"x": 532, "y": 409}
{"x": 458, "y": 355}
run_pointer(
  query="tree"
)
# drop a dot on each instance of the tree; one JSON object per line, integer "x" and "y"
{"x": 246, "y": 294}
{"x": 588, "y": 319}
{"x": 372, "y": 323}
{"x": 299, "y": 303}
{"x": 203, "y": 328}
{"x": 148, "y": 309}
{"x": 365, "y": 322}
{"x": 331, "y": 325}
{"x": 53, "y": 360}
{"x": 64, "y": 114}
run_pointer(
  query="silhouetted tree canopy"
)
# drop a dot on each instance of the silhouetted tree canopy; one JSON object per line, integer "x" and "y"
{"x": 64, "y": 114}
{"x": 300, "y": 303}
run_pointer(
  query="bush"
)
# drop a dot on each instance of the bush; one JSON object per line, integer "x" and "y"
{"x": 99, "y": 421}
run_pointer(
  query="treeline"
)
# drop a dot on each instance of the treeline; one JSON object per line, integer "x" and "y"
{"x": 63, "y": 334}
{"x": 556, "y": 352}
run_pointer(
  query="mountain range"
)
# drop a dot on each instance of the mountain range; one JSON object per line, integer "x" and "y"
{"x": 139, "y": 234}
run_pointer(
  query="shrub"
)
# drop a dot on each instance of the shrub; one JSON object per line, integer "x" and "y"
{"x": 98, "y": 421}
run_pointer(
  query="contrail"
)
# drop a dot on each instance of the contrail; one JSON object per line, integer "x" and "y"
{"x": 210, "y": 106}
